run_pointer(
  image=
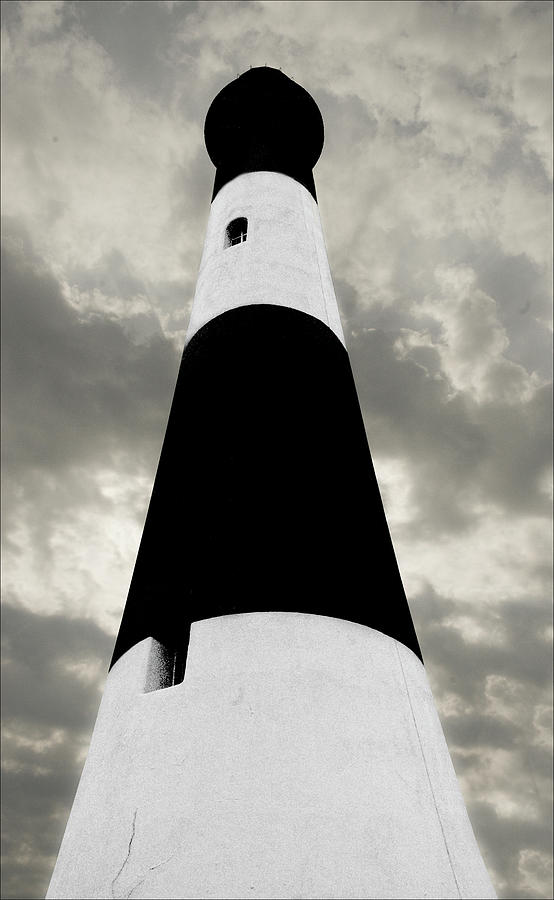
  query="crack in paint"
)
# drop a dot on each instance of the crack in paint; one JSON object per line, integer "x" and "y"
{"x": 143, "y": 878}
{"x": 164, "y": 861}
{"x": 138, "y": 884}
{"x": 126, "y": 860}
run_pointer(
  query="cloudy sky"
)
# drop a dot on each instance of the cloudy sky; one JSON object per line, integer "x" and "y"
{"x": 434, "y": 189}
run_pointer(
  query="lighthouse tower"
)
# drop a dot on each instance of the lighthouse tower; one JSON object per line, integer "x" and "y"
{"x": 267, "y": 729}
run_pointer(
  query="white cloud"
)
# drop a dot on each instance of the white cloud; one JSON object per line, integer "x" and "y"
{"x": 536, "y": 869}
{"x": 40, "y": 19}
{"x": 473, "y": 342}
{"x": 86, "y": 564}
{"x": 500, "y": 557}
{"x": 89, "y": 168}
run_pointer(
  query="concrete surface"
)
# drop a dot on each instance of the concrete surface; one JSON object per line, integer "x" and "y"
{"x": 282, "y": 261}
{"x": 302, "y": 757}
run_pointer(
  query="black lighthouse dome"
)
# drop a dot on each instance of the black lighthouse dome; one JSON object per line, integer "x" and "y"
{"x": 264, "y": 121}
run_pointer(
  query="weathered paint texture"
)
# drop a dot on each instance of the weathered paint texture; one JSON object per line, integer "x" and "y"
{"x": 283, "y": 261}
{"x": 302, "y": 756}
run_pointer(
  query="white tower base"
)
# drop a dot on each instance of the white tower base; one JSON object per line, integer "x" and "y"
{"x": 302, "y": 757}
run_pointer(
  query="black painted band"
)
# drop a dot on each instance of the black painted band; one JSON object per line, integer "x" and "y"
{"x": 264, "y": 122}
{"x": 265, "y": 496}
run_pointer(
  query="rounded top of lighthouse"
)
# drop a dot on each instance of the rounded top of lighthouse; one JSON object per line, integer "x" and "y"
{"x": 264, "y": 121}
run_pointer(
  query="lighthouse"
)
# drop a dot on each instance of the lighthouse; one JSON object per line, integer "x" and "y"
{"x": 267, "y": 729}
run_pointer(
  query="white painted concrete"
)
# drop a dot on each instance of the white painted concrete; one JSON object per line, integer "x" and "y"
{"x": 302, "y": 757}
{"x": 283, "y": 261}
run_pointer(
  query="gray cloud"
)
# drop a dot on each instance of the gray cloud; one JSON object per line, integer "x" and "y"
{"x": 139, "y": 36}
{"x": 436, "y": 161}
{"x": 489, "y": 692}
{"x": 37, "y": 650}
{"x": 189, "y": 190}
{"x": 505, "y": 841}
{"x": 492, "y": 451}
{"x": 51, "y": 687}
{"x": 81, "y": 395}
{"x": 74, "y": 389}
{"x": 521, "y": 652}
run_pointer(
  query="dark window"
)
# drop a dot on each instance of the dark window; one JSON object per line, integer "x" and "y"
{"x": 235, "y": 233}
{"x": 166, "y": 667}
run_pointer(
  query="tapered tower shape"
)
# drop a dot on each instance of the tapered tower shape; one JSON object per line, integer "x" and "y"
{"x": 267, "y": 729}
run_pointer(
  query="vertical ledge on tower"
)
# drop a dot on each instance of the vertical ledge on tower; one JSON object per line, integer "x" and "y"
{"x": 264, "y": 122}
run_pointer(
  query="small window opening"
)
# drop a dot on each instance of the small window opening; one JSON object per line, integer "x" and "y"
{"x": 166, "y": 667}
{"x": 235, "y": 233}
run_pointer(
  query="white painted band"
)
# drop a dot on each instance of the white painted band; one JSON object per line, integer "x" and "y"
{"x": 302, "y": 756}
{"x": 283, "y": 260}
